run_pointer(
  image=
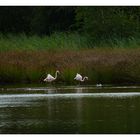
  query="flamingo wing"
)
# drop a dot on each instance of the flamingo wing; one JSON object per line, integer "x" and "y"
{"x": 78, "y": 77}
{"x": 50, "y": 77}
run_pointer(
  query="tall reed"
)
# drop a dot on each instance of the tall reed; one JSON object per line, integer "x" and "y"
{"x": 109, "y": 66}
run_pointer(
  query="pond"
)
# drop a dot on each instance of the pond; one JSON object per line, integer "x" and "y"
{"x": 70, "y": 110}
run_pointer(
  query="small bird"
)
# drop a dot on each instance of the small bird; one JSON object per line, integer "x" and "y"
{"x": 79, "y": 78}
{"x": 99, "y": 85}
{"x": 50, "y": 78}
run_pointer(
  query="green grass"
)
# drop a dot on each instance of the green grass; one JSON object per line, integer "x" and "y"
{"x": 62, "y": 41}
{"x": 26, "y": 59}
{"x": 55, "y": 41}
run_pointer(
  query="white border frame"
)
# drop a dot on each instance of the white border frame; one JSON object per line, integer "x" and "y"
{"x": 70, "y": 2}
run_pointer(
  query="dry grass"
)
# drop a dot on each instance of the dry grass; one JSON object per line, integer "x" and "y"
{"x": 105, "y": 65}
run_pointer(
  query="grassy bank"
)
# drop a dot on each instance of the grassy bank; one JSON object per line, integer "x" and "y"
{"x": 27, "y": 59}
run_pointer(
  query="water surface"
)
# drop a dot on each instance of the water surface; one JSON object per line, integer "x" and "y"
{"x": 70, "y": 110}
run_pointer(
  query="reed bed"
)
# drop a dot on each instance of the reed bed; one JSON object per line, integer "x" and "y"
{"x": 27, "y": 59}
{"x": 101, "y": 65}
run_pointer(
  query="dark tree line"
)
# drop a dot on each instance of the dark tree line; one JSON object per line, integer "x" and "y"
{"x": 36, "y": 20}
{"x": 96, "y": 21}
{"x": 109, "y": 21}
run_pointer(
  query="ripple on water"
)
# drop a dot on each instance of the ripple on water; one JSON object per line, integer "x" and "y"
{"x": 26, "y": 100}
{"x": 122, "y": 94}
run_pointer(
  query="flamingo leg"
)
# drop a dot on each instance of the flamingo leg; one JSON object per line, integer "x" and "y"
{"x": 79, "y": 83}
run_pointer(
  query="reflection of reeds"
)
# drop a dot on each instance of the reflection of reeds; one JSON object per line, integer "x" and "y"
{"x": 105, "y": 65}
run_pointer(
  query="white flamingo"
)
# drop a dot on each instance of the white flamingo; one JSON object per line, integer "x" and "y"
{"x": 50, "y": 78}
{"x": 78, "y": 77}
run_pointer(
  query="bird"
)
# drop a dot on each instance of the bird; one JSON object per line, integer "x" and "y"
{"x": 78, "y": 77}
{"x": 50, "y": 78}
{"x": 99, "y": 85}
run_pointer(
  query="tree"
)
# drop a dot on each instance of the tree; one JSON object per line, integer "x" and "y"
{"x": 46, "y": 20}
{"x": 108, "y": 22}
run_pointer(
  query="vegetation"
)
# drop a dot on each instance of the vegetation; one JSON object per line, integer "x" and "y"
{"x": 29, "y": 58}
{"x": 99, "y": 22}
{"x": 102, "y": 43}
{"x": 55, "y": 41}
{"x": 109, "y": 22}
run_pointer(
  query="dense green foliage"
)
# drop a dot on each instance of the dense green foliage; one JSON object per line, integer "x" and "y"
{"x": 109, "y": 22}
{"x": 35, "y": 20}
{"x": 97, "y": 22}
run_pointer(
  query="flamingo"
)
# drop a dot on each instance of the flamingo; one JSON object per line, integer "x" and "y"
{"x": 50, "y": 78}
{"x": 79, "y": 78}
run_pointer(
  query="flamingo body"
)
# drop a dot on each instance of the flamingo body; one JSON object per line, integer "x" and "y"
{"x": 50, "y": 78}
{"x": 78, "y": 77}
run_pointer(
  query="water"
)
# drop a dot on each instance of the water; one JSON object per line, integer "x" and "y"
{"x": 70, "y": 110}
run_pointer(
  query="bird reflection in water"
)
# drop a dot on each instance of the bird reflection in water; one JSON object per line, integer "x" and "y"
{"x": 51, "y": 90}
{"x": 79, "y": 90}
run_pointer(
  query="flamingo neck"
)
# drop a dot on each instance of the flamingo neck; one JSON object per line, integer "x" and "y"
{"x": 83, "y": 79}
{"x": 56, "y": 74}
